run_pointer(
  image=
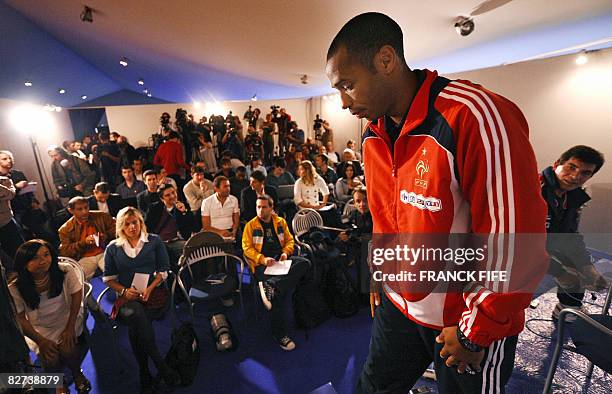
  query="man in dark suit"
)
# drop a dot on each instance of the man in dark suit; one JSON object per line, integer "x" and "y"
{"x": 248, "y": 196}
{"x": 172, "y": 221}
{"x": 105, "y": 201}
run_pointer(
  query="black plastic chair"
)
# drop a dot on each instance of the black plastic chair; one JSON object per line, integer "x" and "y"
{"x": 592, "y": 338}
{"x": 201, "y": 249}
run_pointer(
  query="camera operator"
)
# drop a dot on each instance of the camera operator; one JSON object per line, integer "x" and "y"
{"x": 282, "y": 119}
{"x": 232, "y": 143}
{"x": 248, "y": 115}
{"x": 256, "y": 120}
{"x": 268, "y": 137}
{"x": 165, "y": 125}
{"x": 317, "y": 126}
{"x": 253, "y": 143}
{"x": 204, "y": 128}
{"x": 327, "y": 135}
{"x": 358, "y": 233}
{"x": 296, "y": 135}
{"x": 186, "y": 128}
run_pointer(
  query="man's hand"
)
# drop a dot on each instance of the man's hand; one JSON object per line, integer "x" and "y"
{"x": 283, "y": 257}
{"x": 344, "y": 236}
{"x": 457, "y": 355}
{"x": 374, "y": 302}
{"x": 21, "y": 185}
{"x": 180, "y": 206}
{"x": 145, "y": 294}
{"x": 90, "y": 240}
{"x": 269, "y": 261}
{"x": 226, "y": 233}
{"x": 79, "y": 188}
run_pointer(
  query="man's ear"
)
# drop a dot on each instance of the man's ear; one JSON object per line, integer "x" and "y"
{"x": 385, "y": 60}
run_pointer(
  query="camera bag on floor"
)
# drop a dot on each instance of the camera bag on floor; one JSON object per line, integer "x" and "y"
{"x": 184, "y": 353}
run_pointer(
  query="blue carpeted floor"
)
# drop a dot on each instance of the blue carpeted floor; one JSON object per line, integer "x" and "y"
{"x": 333, "y": 352}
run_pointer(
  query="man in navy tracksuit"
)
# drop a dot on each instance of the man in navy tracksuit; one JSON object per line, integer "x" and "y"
{"x": 570, "y": 261}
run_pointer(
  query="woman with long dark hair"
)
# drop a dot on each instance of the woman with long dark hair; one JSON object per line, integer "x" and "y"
{"x": 48, "y": 299}
{"x": 137, "y": 252}
{"x": 346, "y": 184}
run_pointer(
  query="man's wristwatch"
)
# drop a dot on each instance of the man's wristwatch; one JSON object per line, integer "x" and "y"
{"x": 466, "y": 343}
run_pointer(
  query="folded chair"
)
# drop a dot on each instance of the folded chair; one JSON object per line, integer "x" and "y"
{"x": 592, "y": 338}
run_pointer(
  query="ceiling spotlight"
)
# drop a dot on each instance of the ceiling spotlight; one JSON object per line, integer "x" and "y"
{"x": 145, "y": 91}
{"x": 87, "y": 15}
{"x": 61, "y": 91}
{"x": 58, "y": 109}
{"x": 582, "y": 58}
{"x": 149, "y": 94}
{"x": 304, "y": 79}
{"x": 84, "y": 97}
{"x": 141, "y": 81}
{"x": 124, "y": 61}
{"x": 464, "y": 25}
{"x": 254, "y": 98}
{"x": 28, "y": 83}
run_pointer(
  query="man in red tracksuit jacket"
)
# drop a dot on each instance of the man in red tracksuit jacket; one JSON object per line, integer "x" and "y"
{"x": 442, "y": 157}
{"x": 171, "y": 156}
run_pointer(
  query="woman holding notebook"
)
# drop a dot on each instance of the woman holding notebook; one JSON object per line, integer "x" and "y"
{"x": 135, "y": 265}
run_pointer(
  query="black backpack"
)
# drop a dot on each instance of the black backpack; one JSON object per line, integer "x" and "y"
{"x": 309, "y": 307}
{"x": 340, "y": 292}
{"x": 184, "y": 353}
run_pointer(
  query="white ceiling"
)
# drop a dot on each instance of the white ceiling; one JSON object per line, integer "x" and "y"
{"x": 276, "y": 41}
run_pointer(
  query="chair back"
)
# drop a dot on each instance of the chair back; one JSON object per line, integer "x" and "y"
{"x": 304, "y": 220}
{"x": 348, "y": 208}
{"x": 87, "y": 287}
{"x": 202, "y": 246}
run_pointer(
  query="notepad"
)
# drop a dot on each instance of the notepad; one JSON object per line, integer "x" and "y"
{"x": 140, "y": 282}
{"x": 278, "y": 268}
{"x": 30, "y": 188}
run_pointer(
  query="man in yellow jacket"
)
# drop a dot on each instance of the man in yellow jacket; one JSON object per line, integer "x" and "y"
{"x": 266, "y": 240}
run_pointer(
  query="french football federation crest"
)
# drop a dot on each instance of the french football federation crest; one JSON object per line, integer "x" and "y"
{"x": 422, "y": 168}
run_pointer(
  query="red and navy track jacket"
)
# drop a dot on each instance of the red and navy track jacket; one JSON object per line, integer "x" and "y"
{"x": 464, "y": 156}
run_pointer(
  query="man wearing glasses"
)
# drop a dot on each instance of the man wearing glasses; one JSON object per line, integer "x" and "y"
{"x": 570, "y": 263}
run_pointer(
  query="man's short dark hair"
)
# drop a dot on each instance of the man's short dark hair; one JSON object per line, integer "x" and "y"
{"x": 219, "y": 180}
{"x": 241, "y": 169}
{"x": 172, "y": 135}
{"x": 102, "y": 187}
{"x": 162, "y": 188}
{"x": 226, "y": 161}
{"x": 149, "y": 172}
{"x": 280, "y": 163}
{"x": 265, "y": 197}
{"x": 74, "y": 201}
{"x": 127, "y": 167}
{"x": 323, "y": 158}
{"x": 197, "y": 170}
{"x": 226, "y": 153}
{"x": 258, "y": 175}
{"x": 365, "y": 34}
{"x": 585, "y": 154}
